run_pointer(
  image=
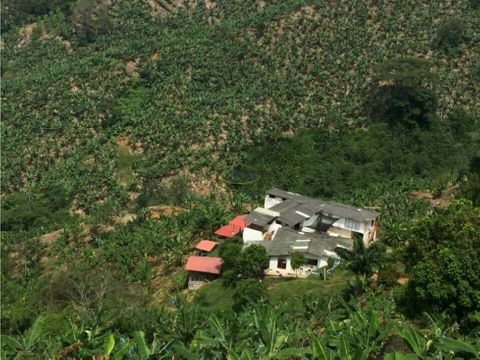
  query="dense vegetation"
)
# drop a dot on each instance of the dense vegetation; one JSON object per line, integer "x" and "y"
{"x": 132, "y": 129}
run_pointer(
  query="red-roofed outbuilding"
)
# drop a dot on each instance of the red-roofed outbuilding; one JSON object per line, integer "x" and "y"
{"x": 202, "y": 269}
{"x": 206, "y": 245}
{"x": 239, "y": 221}
{"x": 228, "y": 231}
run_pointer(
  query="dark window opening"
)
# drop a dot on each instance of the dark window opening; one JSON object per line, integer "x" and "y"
{"x": 282, "y": 263}
{"x": 313, "y": 262}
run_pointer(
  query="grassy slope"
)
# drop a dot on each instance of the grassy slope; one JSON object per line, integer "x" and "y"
{"x": 194, "y": 91}
{"x": 219, "y": 298}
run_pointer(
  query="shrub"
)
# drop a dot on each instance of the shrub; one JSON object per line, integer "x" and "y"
{"x": 442, "y": 258}
{"x": 461, "y": 122}
{"x": 450, "y": 33}
{"x": 402, "y": 93}
{"x": 253, "y": 262}
{"x": 298, "y": 260}
{"x": 475, "y": 4}
{"x": 248, "y": 291}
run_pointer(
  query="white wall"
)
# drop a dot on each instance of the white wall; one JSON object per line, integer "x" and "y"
{"x": 274, "y": 227}
{"x": 269, "y": 201}
{"x": 273, "y": 262}
{"x": 362, "y": 228}
{"x": 250, "y": 235}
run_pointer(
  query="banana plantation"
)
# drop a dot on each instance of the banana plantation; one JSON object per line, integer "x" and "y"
{"x": 132, "y": 129}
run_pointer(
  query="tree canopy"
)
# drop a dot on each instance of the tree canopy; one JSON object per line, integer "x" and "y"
{"x": 443, "y": 258}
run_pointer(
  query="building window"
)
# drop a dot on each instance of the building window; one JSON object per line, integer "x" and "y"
{"x": 352, "y": 225}
{"x": 282, "y": 263}
{"x": 312, "y": 262}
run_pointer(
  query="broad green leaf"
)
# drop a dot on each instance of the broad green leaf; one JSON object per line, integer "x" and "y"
{"x": 291, "y": 353}
{"x": 122, "y": 352}
{"x": 400, "y": 356}
{"x": 414, "y": 338}
{"x": 142, "y": 347}
{"x": 448, "y": 344}
{"x": 109, "y": 344}
{"x": 10, "y": 342}
{"x": 343, "y": 346}
{"x": 34, "y": 333}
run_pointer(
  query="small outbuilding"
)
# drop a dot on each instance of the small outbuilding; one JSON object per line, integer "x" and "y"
{"x": 205, "y": 246}
{"x": 234, "y": 227}
{"x": 202, "y": 270}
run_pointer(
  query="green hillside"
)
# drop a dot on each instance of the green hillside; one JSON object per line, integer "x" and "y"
{"x": 132, "y": 129}
{"x": 187, "y": 92}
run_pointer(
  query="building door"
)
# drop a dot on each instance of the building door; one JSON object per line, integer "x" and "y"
{"x": 282, "y": 263}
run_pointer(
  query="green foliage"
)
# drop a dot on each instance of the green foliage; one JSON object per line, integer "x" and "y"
{"x": 475, "y": 4}
{"x": 298, "y": 260}
{"x": 90, "y": 19}
{"x": 191, "y": 91}
{"x": 402, "y": 93}
{"x": 442, "y": 257}
{"x": 363, "y": 260}
{"x": 338, "y": 164}
{"x": 18, "y": 12}
{"x": 248, "y": 291}
{"x": 261, "y": 85}
{"x": 438, "y": 345}
{"x": 27, "y": 210}
{"x": 461, "y": 122}
{"x": 242, "y": 264}
{"x": 253, "y": 261}
{"x": 25, "y": 345}
{"x": 470, "y": 188}
{"x": 450, "y": 33}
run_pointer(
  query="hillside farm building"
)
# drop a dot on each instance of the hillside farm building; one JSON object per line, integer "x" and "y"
{"x": 202, "y": 270}
{"x": 205, "y": 246}
{"x": 290, "y": 222}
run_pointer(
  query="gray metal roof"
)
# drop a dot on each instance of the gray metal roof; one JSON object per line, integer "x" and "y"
{"x": 328, "y": 208}
{"x": 284, "y": 205}
{"x": 258, "y": 218}
{"x": 350, "y": 212}
{"x": 287, "y": 241}
{"x": 291, "y": 218}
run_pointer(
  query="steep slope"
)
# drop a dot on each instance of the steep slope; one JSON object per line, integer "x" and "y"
{"x": 189, "y": 90}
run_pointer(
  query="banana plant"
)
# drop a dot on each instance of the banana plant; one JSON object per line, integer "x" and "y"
{"x": 440, "y": 345}
{"x": 24, "y": 345}
{"x": 271, "y": 338}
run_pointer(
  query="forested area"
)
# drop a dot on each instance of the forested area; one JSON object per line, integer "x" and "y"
{"x": 132, "y": 129}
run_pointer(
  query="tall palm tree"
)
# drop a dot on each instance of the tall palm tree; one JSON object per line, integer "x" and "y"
{"x": 362, "y": 260}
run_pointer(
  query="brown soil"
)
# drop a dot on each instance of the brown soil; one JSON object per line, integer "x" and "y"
{"x": 158, "y": 211}
{"x": 443, "y": 200}
{"x": 403, "y": 279}
{"x": 25, "y": 34}
{"x": 131, "y": 67}
{"x": 51, "y": 237}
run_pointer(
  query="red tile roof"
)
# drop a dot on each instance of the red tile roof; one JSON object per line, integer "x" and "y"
{"x": 212, "y": 265}
{"x": 228, "y": 231}
{"x": 206, "y": 245}
{"x": 240, "y": 221}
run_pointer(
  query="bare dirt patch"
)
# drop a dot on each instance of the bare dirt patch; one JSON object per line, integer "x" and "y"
{"x": 441, "y": 200}
{"x": 157, "y": 211}
{"x": 51, "y": 237}
{"x": 131, "y": 67}
{"x": 26, "y": 34}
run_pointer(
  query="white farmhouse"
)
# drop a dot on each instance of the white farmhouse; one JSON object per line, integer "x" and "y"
{"x": 287, "y": 209}
{"x": 290, "y": 222}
